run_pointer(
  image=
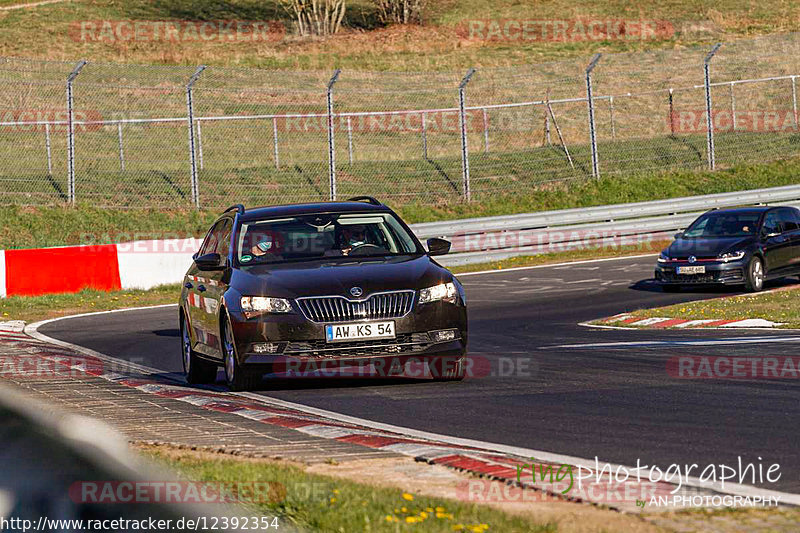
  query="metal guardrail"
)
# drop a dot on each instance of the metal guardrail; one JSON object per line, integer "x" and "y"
{"x": 479, "y": 240}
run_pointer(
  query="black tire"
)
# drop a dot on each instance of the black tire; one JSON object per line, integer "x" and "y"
{"x": 237, "y": 378}
{"x": 197, "y": 371}
{"x": 754, "y": 275}
{"x": 671, "y": 288}
{"x": 448, "y": 368}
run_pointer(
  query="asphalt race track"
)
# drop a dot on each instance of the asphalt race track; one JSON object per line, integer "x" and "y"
{"x": 616, "y": 402}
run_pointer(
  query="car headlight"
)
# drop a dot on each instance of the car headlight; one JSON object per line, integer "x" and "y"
{"x": 259, "y": 305}
{"x": 663, "y": 258}
{"x": 732, "y": 256}
{"x": 445, "y": 291}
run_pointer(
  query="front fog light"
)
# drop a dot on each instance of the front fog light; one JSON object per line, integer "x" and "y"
{"x": 444, "y": 335}
{"x": 268, "y": 348}
{"x": 445, "y": 291}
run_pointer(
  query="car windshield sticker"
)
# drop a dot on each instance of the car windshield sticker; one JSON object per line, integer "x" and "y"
{"x": 265, "y": 245}
{"x": 247, "y": 258}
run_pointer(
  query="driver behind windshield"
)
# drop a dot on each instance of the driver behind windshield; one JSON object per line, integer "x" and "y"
{"x": 352, "y": 237}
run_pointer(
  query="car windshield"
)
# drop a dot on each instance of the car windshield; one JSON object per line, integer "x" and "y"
{"x": 723, "y": 224}
{"x": 323, "y": 236}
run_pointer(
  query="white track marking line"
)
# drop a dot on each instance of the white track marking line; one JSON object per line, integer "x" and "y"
{"x": 553, "y": 265}
{"x": 708, "y": 342}
{"x": 732, "y": 488}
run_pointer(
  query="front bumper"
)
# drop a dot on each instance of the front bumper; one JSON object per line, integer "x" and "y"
{"x": 299, "y": 340}
{"x": 717, "y": 273}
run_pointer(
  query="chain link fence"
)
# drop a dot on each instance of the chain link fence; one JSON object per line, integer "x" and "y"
{"x": 158, "y": 136}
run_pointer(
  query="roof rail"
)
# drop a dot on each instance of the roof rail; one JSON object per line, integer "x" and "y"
{"x": 238, "y": 207}
{"x": 369, "y": 199}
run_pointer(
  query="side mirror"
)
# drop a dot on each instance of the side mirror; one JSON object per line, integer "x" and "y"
{"x": 438, "y": 246}
{"x": 679, "y": 235}
{"x": 209, "y": 262}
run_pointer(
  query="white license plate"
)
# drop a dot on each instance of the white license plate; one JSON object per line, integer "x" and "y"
{"x": 692, "y": 270}
{"x": 357, "y": 332}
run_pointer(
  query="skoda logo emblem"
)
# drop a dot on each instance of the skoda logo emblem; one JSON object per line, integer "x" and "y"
{"x": 692, "y": 259}
{"x": 356, "y": 292}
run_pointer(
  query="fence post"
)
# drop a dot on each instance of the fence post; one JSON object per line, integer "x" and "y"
{"x": 611, "y": 111}
{"x": 350, "y": 139}
{"x": 275, "y": 142}
{"x": 424, "y": 136}
{"x": 671, "y": 114}
{"x": 733, "y": 106}
{"x": 121, "y": 149}
{"x": 49, "y": 152}
{"x": 71, "y": 132}
{"x": 794, "y": 99}
{"x": 590, "y": 100}
{"x": 709, "y": 118}
{"x": 485, "y": 131}
{"x": 463, "y": 123}
{"x": 200, "y": 145}
{"x": 192, "y": 153}
{"x": 331, "y": 140}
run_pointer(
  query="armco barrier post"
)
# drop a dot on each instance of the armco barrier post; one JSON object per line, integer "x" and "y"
{"x": 192, "y": 148}
{"x": 462, "y": 89}
{"x": 709, "y": 118}
{"x": 71, "y": 132}
{"x": 590, "y": 100}
{"x": 331, "y": 139}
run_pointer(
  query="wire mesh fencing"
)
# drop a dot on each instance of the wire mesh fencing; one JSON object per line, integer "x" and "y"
{"x": 193, "y": 136}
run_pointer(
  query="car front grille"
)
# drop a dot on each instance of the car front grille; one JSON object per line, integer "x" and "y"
{"x": 735, "y": 274}
{"x": 385, "y": 305}
{"x": 403, "y": 344}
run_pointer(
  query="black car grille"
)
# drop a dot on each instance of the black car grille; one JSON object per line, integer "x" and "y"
{"x": 403, "y": 344}
{"x": 734, "y": 274}
{"x": 339, "y": 309}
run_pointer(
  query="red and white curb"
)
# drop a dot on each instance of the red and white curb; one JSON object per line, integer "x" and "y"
{"x": 496, "y": 466}
{"x": 627, "y": 320}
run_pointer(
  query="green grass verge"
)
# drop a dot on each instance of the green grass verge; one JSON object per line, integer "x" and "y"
{"x": 321, "y": 503}
{"x": 44, "y": 32}
{"x": 31, "y": 227}
{"x": 35, "y": 308}
{"x": 782, "y": 306}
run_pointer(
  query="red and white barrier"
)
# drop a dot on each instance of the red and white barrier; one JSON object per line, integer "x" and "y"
{"x": 108, "y": 267}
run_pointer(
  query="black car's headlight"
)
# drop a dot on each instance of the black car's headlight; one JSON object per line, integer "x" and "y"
{"x": 259, "y": 305}
{"x": 663, "y": 258}
{"x": 446, "y": 292}
{"x": 732, "y": 256}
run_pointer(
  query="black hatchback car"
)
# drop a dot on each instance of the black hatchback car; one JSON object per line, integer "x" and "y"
{"x": 326, "y": 286}
{"x": 745, "y": 246}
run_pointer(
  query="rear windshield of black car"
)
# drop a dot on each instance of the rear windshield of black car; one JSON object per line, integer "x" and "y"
{"x": 722, "y": 224}
{"x": 326, "y": 236}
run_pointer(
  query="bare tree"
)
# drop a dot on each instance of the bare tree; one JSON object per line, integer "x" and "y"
{"x": 316, "y": 17}
{"x": 400, "y": 11}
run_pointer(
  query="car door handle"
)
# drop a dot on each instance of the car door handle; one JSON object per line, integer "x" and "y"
{"x": 201, "y": 288}
{"x": 189, "y": 285}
